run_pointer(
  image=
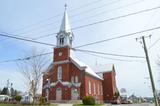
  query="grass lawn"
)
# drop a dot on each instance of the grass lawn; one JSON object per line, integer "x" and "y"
{"x": 6, "y": 105}
{"x": 25, "y": 105}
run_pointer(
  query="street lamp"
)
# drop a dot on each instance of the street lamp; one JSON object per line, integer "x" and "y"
{"x": 47, "y": 90}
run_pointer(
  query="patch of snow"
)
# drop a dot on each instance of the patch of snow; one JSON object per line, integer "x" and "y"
{"x": 103, "y": 68}
{"x": 81, "y": 65}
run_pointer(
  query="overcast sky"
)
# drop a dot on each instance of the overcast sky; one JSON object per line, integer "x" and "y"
{"x": 35, "y": 18}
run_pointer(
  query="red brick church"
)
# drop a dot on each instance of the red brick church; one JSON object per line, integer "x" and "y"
{"x": 67, "y": 78}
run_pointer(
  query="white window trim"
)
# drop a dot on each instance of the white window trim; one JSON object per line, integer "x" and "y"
{"x": 59, "y": 73}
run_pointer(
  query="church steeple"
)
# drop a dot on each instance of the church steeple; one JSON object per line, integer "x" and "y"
{"x": 65, "y": 35}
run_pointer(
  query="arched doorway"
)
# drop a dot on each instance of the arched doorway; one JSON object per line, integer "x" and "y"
{"x": 74, "y": 94}
{"x": 58, "y": 94}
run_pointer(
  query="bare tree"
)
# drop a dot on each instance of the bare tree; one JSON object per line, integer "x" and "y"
{"x": 31, "y": 68}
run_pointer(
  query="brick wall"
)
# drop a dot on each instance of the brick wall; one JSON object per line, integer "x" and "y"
{"x": 65, "y": 52}
{"x": 99, "y": 94}
{"x": 103, "y": 89}
{"x": 68, "y": 70}
{"x": 109, "y": 86}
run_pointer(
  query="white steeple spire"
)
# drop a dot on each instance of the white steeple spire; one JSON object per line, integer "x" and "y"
{"x": 65, "y": 35}
{"x": 65, "y": 26}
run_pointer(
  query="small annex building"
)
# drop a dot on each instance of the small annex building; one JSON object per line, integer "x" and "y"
{"x": 67, "y": 78}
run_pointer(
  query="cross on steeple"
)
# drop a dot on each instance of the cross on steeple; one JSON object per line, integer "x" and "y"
{"x": 65, "y": 6}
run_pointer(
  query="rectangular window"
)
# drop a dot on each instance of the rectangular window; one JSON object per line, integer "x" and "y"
{"x": 59, "y": 74}
{"x": 76, "y": 79}
{"x": 94, "y": 87}
{"x": 72, "y": 79}
{"x": 89, "y": 87}
{"x": 101, "y": 90}
{"x": 98, "y": 90}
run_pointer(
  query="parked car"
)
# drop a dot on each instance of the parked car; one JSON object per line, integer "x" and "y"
{"x": 124, "y": 102}
{"x": 115, "y": 101}
{"x": 128, "y": 101}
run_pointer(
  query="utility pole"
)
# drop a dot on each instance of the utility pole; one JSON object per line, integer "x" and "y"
{"x": 150, "y": 73}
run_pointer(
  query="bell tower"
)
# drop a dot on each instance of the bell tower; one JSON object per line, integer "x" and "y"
{"x": 64, "y": 40}
{"x": 65, "y": 35}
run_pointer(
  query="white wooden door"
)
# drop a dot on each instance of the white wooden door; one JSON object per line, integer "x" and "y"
{"x": 58, "y": 94}
{"x": 74, "y": 94}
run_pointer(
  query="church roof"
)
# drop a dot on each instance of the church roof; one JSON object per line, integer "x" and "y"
{"x": 82, "y": 65}
{"x": 103, "y": 68}
{"x": 65, "y": 25}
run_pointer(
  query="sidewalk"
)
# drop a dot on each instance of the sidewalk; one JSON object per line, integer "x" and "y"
{"x": 65, "y": 104}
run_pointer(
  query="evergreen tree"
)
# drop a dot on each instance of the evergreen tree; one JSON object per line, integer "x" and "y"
{"x": 5, "y": 91}
{"x": 117, "y": 94}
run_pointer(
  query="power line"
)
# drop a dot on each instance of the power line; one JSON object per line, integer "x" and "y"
{"x": 114, "y": 18}
{"x": 84, "y": 51}
{"x": 126, "y": 35}
{"x": 39, "y": 22}
{"x": 95, "y": 8}
{"x": 110, "y": 19}
{"x": 98, "y": 22}
{"x": 154, "y": 43}
{"x": 89, "y": 4}
{"x": 109, "y": 39}
{"x": 122, "y": 36}
{"x": 23, "y": 39}
{"x": 26, "y": 58}
{"x": 110, "y": 10}
{"x": 93, "y": 16}
{"x": 13, "y": 35}
{"x": 151, "y": 33}
{"x": 111, "y": 54}
{"x": 116, "y": 59}
{"x": 52, "y": 17}
{"x": 90, "y": 10}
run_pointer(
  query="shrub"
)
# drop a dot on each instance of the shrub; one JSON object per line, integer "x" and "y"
{"x": 116, "y": 94}
{"x": 88, "y": 100}
{"x": 42, "y": 100}
{"x": 18, "y": 98}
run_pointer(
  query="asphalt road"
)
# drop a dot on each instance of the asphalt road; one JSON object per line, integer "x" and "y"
{"x": 142, "y": 104}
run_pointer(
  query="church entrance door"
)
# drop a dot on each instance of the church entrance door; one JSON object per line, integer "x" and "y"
{"x": 74, "y": 94}
{"x": 58, "y": 94}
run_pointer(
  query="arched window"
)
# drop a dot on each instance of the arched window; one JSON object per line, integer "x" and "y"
{"x": 76, "y": 79}
{"x": 61, "y": 40}
{"x": 89, "y": 87}
{"x": 59, "y": 73}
